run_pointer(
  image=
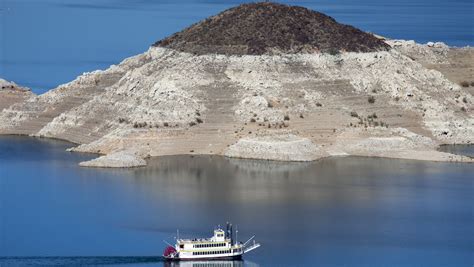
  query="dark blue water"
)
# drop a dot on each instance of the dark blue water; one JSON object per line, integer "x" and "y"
{"x": 335, "y": 212}
{"x": 44, "y": 43}
{"x": 466, "y": 150}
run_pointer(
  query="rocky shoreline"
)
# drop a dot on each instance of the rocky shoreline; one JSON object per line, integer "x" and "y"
{"x": 332, "y": 119}
{"x": 290, "y": 105}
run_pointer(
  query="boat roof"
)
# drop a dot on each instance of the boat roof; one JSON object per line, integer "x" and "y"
{"x": 201, "y": 240}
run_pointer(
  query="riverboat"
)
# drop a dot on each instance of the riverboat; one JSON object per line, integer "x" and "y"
{"x": 223, "y": 245}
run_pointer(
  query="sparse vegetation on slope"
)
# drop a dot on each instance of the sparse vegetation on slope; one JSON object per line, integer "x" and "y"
{"x": 267, "y": 28}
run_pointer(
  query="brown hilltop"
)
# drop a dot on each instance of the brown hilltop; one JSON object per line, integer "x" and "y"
{"x": 266, "y": 28}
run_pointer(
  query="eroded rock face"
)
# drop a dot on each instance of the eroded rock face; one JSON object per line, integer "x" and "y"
{"x": 271, "y": 28}
{"x": 429, "y": 53}
{"x": 277, "y": 147}
{"x": 241, "y": 89}
{"x": 11, "y": 93}
{"x": 167, "y": 102}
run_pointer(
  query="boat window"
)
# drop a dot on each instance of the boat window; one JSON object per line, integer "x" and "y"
{"x": 181, "y": 246}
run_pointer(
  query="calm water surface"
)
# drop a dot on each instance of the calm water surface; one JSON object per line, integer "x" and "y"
{"x": 44, "y": 43}
{"x": 336, "y": 212}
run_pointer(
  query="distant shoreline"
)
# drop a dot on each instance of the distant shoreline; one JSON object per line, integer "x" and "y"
{"x": 247, "y": 158}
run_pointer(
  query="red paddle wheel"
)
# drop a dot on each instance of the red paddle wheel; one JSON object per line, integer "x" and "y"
{"x": 169, "y": 250}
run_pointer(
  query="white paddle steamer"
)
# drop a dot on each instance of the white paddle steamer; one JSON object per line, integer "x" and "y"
{"x": 223, "y": 245}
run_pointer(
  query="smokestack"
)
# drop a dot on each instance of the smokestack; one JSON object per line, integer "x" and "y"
{"x": 231, "y": 235}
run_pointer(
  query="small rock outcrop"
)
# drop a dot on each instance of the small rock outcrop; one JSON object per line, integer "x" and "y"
{"x": 270, "y": 28}
{"x": 282, "y": 148}
{"x": 122, "y": 159}
{"x": 11, "y": 93}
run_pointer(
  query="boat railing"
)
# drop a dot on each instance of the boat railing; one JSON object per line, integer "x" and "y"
{"x": 251, "y": 247}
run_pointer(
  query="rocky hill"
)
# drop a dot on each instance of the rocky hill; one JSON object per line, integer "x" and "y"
{"x": 270, "y": 28}
{"x": 297, "y": 104}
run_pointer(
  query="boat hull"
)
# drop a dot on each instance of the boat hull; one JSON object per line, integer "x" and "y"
{"x": 223, "y": 258}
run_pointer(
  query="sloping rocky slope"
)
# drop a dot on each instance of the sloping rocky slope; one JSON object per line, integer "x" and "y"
{"x": 301, "y": 106}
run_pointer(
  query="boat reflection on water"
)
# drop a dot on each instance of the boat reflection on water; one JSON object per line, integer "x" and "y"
{"x": 214, "y": 263}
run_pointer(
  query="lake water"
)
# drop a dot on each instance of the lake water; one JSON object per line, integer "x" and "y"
{"x": 335, "y": 212}
{"x": 350, "y": 211}
{"x": 49, "y": 42}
